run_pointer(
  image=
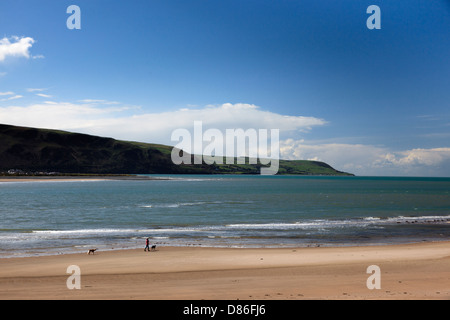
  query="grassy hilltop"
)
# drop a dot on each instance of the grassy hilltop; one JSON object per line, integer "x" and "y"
{"x": 43, "y": 150}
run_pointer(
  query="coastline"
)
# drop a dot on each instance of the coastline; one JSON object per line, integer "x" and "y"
{"x": 408, "y": 271}
{"x": 66, "y": 178}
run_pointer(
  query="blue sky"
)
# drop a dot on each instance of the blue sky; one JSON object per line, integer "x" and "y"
{"x": 372, "y": 102}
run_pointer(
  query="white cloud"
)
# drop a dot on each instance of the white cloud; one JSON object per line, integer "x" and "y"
{"x": 39, "y": 56}
{"x": 428, "y": 157}
{"x": 17, "y": 96}
{"x": 98, "y": 101}
{"x": 109, "y": 118}
{"x": 8, "y": 93}
{"x": 16, "y": 47}
{"x": 44, "y": 95}
{"x": 36, "y": 89}
{"x": 371, "y": 160}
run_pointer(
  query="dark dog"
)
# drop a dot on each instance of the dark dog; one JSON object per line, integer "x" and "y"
{"x": 92, "y": 251}
{"x": 153, "y": 248}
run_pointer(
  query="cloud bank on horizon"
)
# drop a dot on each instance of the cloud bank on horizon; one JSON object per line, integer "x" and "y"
{"x": 113, "y": 119}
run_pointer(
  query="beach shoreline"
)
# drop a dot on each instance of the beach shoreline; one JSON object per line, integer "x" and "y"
{"x": 407, "y": 271}
{"x": 68, "y": 178}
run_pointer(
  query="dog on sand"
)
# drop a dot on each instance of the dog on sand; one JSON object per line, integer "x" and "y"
{"x": 92, "y": 251}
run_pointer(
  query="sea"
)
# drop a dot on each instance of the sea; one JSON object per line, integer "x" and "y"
{"x": 239, "y": 211}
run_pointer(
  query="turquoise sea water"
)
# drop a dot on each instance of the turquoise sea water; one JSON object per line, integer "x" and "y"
{"x": 226, "y": 211}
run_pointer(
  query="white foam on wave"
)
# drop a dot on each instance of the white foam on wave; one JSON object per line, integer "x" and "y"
{"x": 299, "y": 225}
{"x": 187, "y": 204}
{"x": 325, "y": 223}
{"x": 305, "y": 225}
{"x": 82, "y": 231}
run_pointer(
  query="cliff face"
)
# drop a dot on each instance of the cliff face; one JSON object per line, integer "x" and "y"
{"x": 31, "y": 149}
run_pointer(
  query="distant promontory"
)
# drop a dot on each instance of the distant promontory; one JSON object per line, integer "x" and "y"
{"x": 25, "y": 150}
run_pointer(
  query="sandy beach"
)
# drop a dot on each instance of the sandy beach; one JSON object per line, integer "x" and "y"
{"x": 412, "y": 271}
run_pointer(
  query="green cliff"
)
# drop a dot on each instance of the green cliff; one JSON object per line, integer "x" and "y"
{"x": 43, "y": 150}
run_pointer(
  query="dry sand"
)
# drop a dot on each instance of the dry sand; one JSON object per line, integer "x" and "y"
{"x": 413, "y": 271}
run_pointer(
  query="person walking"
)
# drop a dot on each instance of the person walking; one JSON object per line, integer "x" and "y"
{"x": 147, "y": 245}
